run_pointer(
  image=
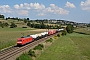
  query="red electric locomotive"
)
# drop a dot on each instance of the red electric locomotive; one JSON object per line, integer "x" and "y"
{"x": 24, "y": 40}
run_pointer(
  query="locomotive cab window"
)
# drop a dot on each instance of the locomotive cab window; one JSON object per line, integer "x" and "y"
{"x": 19, "y": 40}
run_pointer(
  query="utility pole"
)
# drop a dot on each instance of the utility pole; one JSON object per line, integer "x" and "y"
{"x": 48, "y": 25}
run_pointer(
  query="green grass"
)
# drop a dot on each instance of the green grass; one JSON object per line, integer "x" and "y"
{"x": 83, "y": 44}
{"x": 71, "y": 47}
{"x": 85, "y": 31}
{"x": 24, "y": 56}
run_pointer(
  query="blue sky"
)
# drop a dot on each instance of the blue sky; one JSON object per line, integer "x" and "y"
{"x": 72, "y": 10}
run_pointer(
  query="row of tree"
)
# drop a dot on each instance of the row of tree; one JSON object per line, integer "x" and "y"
{"x": 16, "y": 18}
{"x": 69, "y": 27}
{"x": 43, "y": 26}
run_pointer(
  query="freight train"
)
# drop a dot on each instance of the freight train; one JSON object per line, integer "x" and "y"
{"x": 29, "y": 38}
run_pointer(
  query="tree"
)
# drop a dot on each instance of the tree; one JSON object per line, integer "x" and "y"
{"x": 69, "y": 28}
{"x": 1, "y": 16}
{"x": 32, "y": 25}
{"x": 25, "y": 21}
{"x": 16, "y": 18}
{"x": 88, "y": 25}
{"x": 6, "y": 18}
{"x": 43, "y": 26}
{"x": 1, "y": 25}
{"x": 37, "y": 26}
{"x": 27, "y": 18}
{"x": 59, "y": 27}
{"x": 6, "y": 24}
{"x": 48, "y": 27}
{"x": 29, "y": 24}
{"x": 13, "y": 25}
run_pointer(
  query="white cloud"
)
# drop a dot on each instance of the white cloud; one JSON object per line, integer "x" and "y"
{"x": 21, "y": 5}
{"x": 56, "y": 10}
{"x": 29, "y": 6}
{"x": 32, "y": 8}
{"x": 37, "y": 6}
{"x": 52, "y": 5}
{"x": 70, "y": 5}
{"x": 16, "y": 6}
{"x": 23, "y": 12}
{"x": 41, "y": 14}
{"x": 85, "y": 5}
{"x": 40, "y": 9}
{"x": 5, "y": 9}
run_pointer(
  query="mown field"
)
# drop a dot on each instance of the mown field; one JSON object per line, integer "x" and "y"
{"x": 8, "y": 36}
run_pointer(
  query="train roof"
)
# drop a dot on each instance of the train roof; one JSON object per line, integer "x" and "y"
{"x": 26, "y": 36}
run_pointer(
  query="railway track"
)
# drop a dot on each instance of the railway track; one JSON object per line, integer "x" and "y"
{"x": 8, "y": 50}
{"x": 8, "y": 53}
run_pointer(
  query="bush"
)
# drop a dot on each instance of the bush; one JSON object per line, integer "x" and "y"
{"x": 49, "y": 40}
{"x": 64, "y": 32}
{"x": 24, "y": 56}
{"x": 31, "y": 53}
{"x": 55, "y": 37}
{"x": 24, "y": 27}
{"x": 6, "y": 24}
{"x": 58, "y": 35}
{"x": 39, "y": 47}
{"x": 13, "y": 25}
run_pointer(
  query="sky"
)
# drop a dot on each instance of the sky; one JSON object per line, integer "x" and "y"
{"x": 71, "y": 10}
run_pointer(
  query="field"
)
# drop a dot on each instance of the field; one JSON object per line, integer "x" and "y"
{"x": 8, "y": 36}
{"x": 75, "y": 46}
{"x": 85, "y": 31}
